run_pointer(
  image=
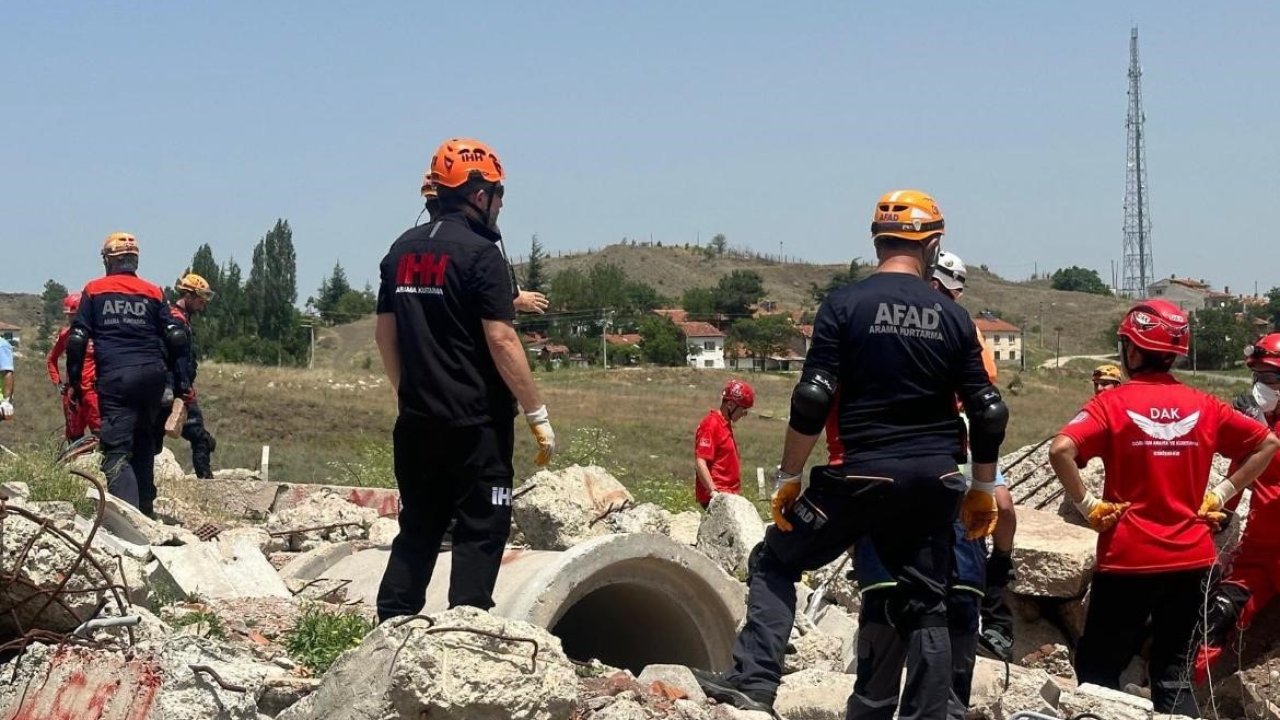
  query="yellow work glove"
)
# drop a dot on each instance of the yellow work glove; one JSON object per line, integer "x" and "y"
{"x": 978, "y": 511}
{"x": 1102, "y": 516}
{"x": 1211, "y": 508}
{"x": 540, "y": 424}
{"x": 786, "y": 488}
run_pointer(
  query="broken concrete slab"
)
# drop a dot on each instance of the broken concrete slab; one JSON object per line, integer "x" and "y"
{"x": 384, "y": 501}
{"x": 642, "y": 518}
{"x": 1027, "y": 691}
{"x": 729, "y": 532}
{"x": 312, "y": 564}
{"x": 559, "y": 509}
{"x": 814, "y": 695}
{"x": 834, "y": 621}
{"x": 76, "y": 682}
{"x": 129, "y": 524}
{"x": 1051, "y": 558}
{"x": 278, "y": 694}
{"x": 324, "y": 517}
{"x": 676, "y": 676}
{"x": 234, "y": 568}
{"x": 1105, "y": 702}
{"x": 383, "y": 531}
{"x": 167, "y": 468}
{"x": 815, "y": 650}
{"x": 14, "y": 489}
{"x": 684, "y": 527}
{"x": 463, "y": 664}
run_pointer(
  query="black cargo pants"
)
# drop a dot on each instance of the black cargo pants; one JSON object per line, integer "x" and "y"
{"x": 130, "y": 402}
{"x": 906, "y": 507}
{"x": 446, "y": 474}
{"x": 202, "y": 442}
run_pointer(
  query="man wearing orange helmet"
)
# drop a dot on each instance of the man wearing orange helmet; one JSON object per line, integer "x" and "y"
{"x": 82, "y": 415}
{"x": 888, "y": 360}
{"x": 194, "y": 294}
{"x": 1156, "y": 438}
{"x": 716, "y": 462}
{"x": 1254, "y": 580}
{"x": 1106, "y": 377}
{"x": 526, "y": 301}
{"x": 136, "y": 341}
{"x": 445, "y": 333}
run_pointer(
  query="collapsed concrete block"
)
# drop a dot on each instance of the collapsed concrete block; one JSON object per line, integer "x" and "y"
{"x": 14, "y": 489}
{"x": 729, "y": 532}
{"x": 312, "y": 564}
{"x": 42, "y": 560}
{"x": 1027, "y": 691}
{"x": 446, "y": 670}
{"x": 167, "y": 468}
{"x": 675, "y": 676}
{"x": 1105, "y": 702}
{"x": 324, "y": 517}
{"x": 75, "y": 682}
{"x": 1054, "y": 659}
{"x": 559, "y": 509}
{"x": 281, "y": 693}
{"x": 814, "y": 695}
{"x": 383, "y": 501}
{"x": 235, "y": 568}
{"x": 642, "y": 518}
{"x": 684, "y": 527}
{"x": 729, "y": 712}
{"x": 834, "y": 621}
{"x": 1051, "y": 558}
{"x": 383, "y": 531}
{"x": 129, "y": 524}
{"x": 815, "y": 650}
{"x": 254, "y": 536}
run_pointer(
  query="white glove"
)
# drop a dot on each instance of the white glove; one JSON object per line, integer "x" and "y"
{"x": 540, "y": 424}
{"x": 6, "y": 410}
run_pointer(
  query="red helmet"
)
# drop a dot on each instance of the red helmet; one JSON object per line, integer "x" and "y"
{"x": 740, "y": 393}
{"x": 71, "y": 304}
{"x": 1264, "y": 354}
{"x": 1157, "y": 326}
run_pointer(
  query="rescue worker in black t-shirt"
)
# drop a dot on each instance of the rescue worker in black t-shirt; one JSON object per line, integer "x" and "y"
{"x": 136, "y": 341}
{"x": 445, "y": 333}
{"x": 888, "y": 360}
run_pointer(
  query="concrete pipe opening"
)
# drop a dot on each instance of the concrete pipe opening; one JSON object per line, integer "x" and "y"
{"x": 629, "y": 600}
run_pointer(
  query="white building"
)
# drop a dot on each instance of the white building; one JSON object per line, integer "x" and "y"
{"x": 705, "y": 345}
{"x": 1005, "y": 339}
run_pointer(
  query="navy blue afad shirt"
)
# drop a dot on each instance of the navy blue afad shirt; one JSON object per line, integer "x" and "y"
{"x": 127, "y": 317}
{"x": 902, "y": 353}
{"x": 441, "y": 280}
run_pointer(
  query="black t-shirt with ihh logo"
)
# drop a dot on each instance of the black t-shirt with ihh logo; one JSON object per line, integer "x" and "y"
{"x": 903, "y": 353}
{"x": 440, "y": 280}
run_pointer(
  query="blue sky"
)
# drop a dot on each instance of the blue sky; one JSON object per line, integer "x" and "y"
{"x": 188, "y": 123}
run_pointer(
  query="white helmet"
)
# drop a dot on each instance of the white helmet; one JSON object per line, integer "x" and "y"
{"x": 950, "y": 271}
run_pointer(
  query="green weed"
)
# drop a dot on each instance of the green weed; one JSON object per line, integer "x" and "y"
{"x": 319, "y": 636}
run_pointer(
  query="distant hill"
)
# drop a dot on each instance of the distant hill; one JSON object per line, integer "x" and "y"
{"x": 1085, "y": 319}
{"x": 21, "y": 309}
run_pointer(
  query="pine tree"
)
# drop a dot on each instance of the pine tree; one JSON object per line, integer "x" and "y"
{"x": 50, "y": 314}
{"x": 535, "y": 271}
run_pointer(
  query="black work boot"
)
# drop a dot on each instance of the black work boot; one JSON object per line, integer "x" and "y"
{"x": 721, "y": 690}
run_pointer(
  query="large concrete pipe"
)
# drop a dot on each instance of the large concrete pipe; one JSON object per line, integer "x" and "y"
{"x": 629, "y": 600}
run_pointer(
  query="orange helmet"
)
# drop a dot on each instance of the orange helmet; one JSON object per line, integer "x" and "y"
{"x": 194, "y": 284}
{"x": 907, "y": 214}
{"x": 460, "y": 160}
{"x": 119, "y": 243}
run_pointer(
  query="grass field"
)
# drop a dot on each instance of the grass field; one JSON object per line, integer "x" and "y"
{"x": 329, "y": 426}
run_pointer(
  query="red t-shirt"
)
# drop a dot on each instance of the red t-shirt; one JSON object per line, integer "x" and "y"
{"x": 1263, "y": 529}
{"x": 714, "y": 443}
{"x": 1156, "y": 438}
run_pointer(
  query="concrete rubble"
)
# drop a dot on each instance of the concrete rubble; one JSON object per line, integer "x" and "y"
{"x": 231, "y": 568}
{"x": 684, "y": 527}
{"x": 556, "y": 510}
{"x": 814, "y": 695}
{"x": 643, "y": 518}
{"x": 465, "y": 664}
{"x": 729, "y": 532}
{"x": 325, "y": 517}
{"x": 1050, "y": 558}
